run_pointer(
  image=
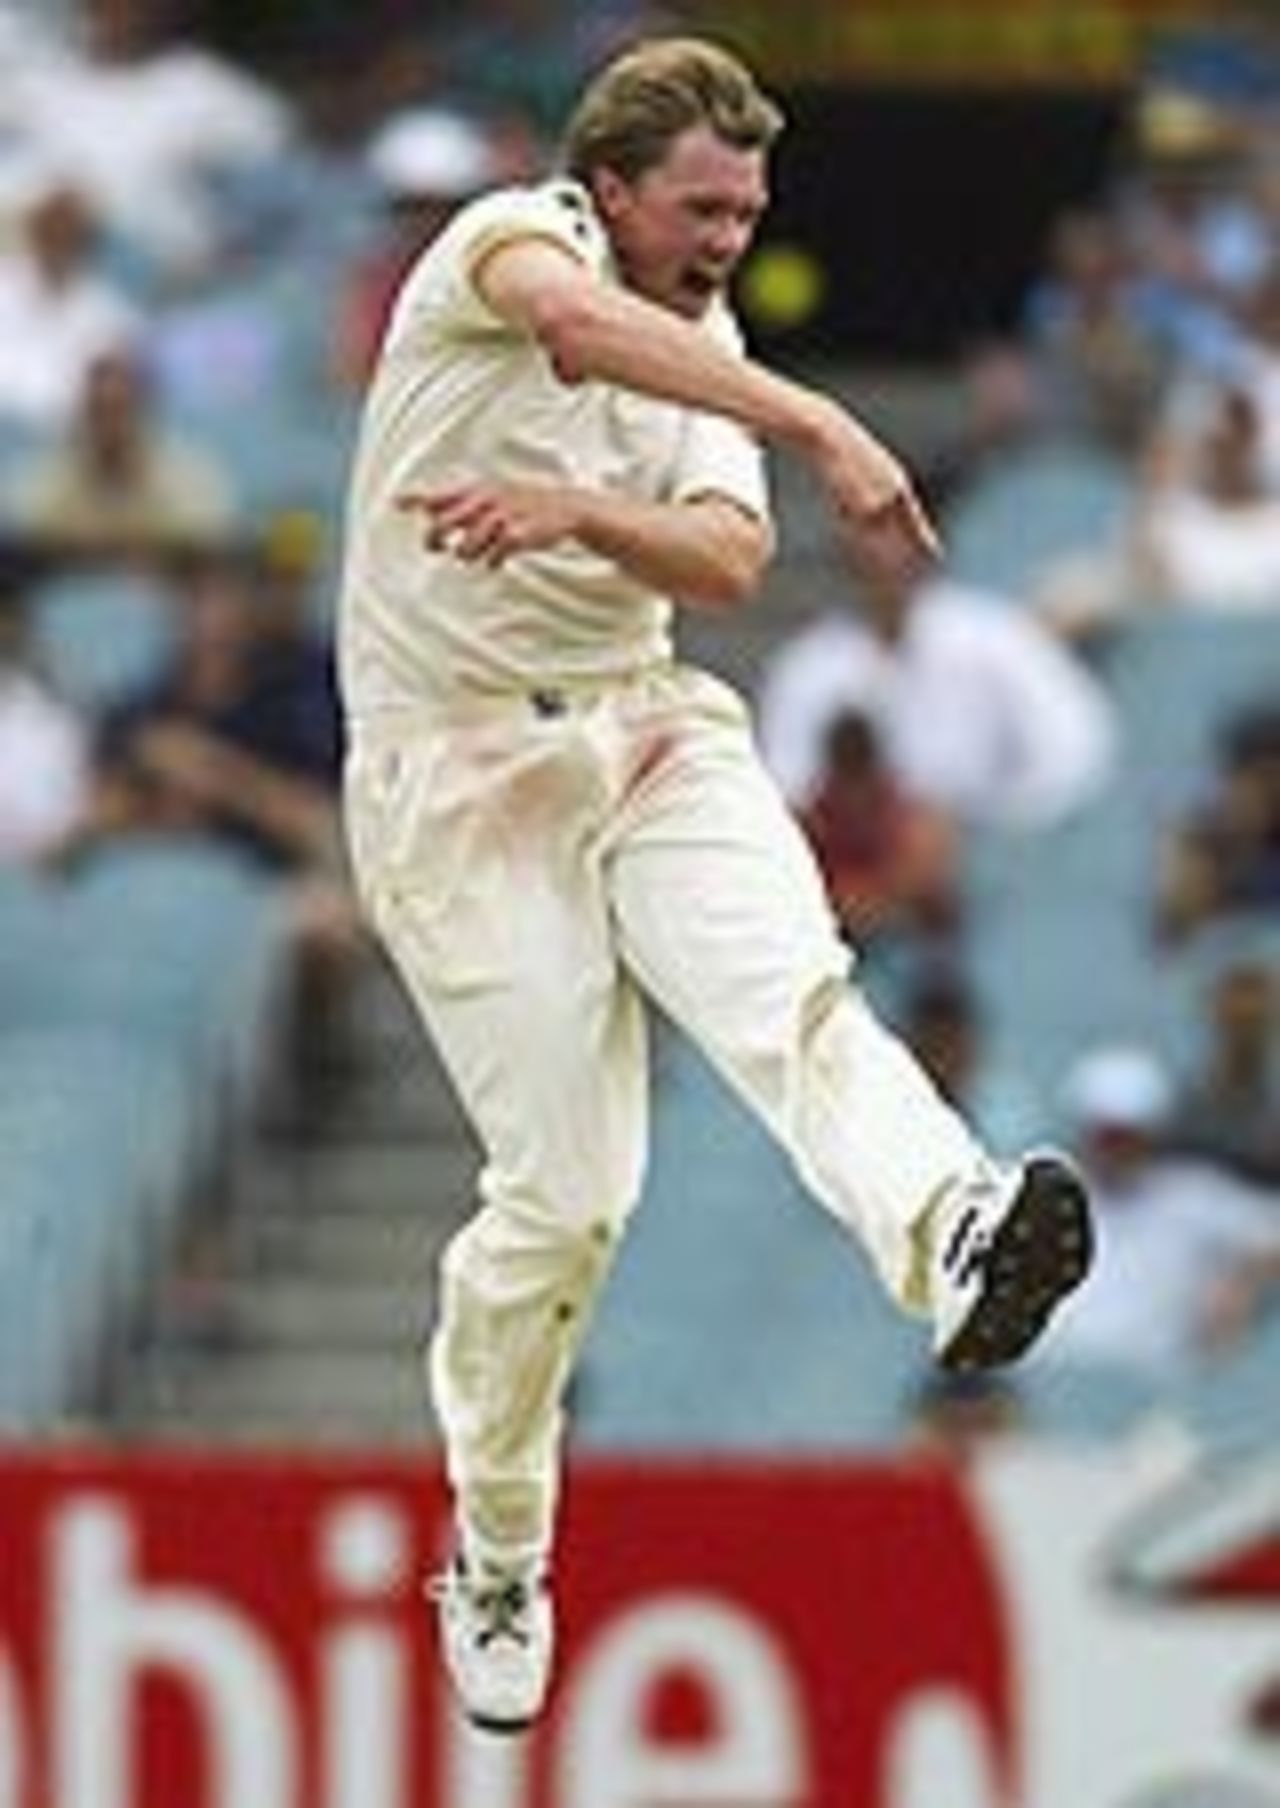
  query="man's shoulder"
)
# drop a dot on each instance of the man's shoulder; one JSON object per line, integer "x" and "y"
{"x": 556, "y": 208}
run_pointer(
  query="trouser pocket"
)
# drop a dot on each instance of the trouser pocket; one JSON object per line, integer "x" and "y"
{"x": 428, "y": 863}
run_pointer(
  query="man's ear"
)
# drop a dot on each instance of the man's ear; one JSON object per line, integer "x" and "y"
{"x": 610, "y": 191}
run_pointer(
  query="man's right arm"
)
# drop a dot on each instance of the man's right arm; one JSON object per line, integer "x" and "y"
{"x": 592, "y": 330}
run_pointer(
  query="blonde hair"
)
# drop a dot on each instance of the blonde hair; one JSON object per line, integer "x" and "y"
{"x": 630, "y": 113}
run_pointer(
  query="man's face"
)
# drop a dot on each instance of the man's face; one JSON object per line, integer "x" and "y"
{"x": 680, "y": 229}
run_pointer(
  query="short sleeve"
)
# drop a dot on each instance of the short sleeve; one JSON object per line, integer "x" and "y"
{"x": 443, "y": 280}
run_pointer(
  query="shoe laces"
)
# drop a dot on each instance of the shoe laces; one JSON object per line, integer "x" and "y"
{"x": 501, "y": 1608}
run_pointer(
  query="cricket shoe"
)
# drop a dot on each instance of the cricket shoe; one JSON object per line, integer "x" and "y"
{"x": 497, "y": 1636}
{"x": 1007, "y": 1249}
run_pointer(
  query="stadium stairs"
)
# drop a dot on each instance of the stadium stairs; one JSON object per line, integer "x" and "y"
{"x": 294, "y": 1311}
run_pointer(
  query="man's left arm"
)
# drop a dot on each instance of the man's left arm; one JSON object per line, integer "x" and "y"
{"x": 706, "y": 550}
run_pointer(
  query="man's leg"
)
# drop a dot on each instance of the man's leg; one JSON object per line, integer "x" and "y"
{"x": 499, "y": 925}
{"x": 723, "y": 919}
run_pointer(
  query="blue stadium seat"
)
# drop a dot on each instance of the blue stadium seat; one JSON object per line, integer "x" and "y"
{"x": 740, "y": 1316}
{"x": 102, "y": 634}
{"x": 135, "y": 1005}
{"x": 95, "y": 1138}
{"x": 1062, "y": 944}
{"x": 181, "y": 944}
{"x": 1177, "y": 678}
{"x": 1021, "y": 516}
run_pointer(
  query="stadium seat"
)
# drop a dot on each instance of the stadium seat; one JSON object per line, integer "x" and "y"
{"x": 181, "y": 944}
{"x": 1020, "y": 516}
{"x": 102, "y": 634}
{"x": 741, "y": 1316}
{"x": 95, "y": 1141}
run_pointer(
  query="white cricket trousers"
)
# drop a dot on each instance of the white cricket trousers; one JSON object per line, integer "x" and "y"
{"x": 533, "y": 865}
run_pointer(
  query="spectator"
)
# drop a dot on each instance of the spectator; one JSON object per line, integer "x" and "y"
{"x": 239, "y": 740}
{"x": 1187, "y": 1256}
{"x": 118, "y": 483}
{"x": 1195, "y": 404}
{"x": 888, "y": 858}
{"x": 1225, "y": 860}
{"x": 1002, "y": 414}
{"x": 980, "y": 711}
{"x": 44, "y": 749}
{"x": 527, "y": 57}
{"x": 245, "y": 344}
{"x": 1204, "y": 535}
{"x": 1259, "y": 367}
{"x": 232, "y": 739}
{"x": 1212, "y": 541}
{"x": 1228, "y": 1111}
{"x": 57, "y": 311}
{"x": 295, "y": 660}
{"x": 1189, "y": 160}
{"x": 427, "y": 162}
{"x": 1101, "y": 366}
{"x": 152, "y": 129}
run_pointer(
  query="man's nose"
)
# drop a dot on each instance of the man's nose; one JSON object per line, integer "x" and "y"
{"x": 727, "y": 242}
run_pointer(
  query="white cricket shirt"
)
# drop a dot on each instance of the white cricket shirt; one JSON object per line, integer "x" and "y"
{"x": 458, "y": 395}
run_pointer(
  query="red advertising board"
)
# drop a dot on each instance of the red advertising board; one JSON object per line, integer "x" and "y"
{"x": 193, "y": 1630}
{"x": 201, "y": 1632}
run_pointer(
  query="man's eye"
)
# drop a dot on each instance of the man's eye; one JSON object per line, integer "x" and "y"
{"x": 717, "y": 213}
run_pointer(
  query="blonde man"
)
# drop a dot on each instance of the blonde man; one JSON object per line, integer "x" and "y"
{"x": 550, "y": 817}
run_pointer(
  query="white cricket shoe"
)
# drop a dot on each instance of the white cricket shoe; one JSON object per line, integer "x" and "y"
{"x": 497, "y": 1635}
{"x": 1007, "y": 1248}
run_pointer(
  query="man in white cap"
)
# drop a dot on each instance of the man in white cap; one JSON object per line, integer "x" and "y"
{"x": 426, "y": 161}
{"x": 1185, "y": 1252}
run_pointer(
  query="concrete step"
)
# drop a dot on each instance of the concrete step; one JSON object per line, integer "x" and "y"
{"x": 378, "y": 1014}
{"x": 281, "y": 1394}
{"x": 364, "y": 1178}
{"x": 312, "y": 1426}
{"x": 317, "y": 1312}
{"x": 375, "y": 1246}
{"x": 399, "y": 1094}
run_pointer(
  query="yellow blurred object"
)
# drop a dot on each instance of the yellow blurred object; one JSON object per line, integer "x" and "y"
{"x": 1172, "y": 123}
{"x": 293, "y": 541}
{"x": 782, "y": 286}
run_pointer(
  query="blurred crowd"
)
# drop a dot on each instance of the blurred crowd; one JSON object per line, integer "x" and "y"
{"x": 195, "y": 268}
{"x": 196, "y": 265}
{"x": 1110, "y": 484}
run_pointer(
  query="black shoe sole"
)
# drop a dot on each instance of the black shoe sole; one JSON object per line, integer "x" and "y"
{"x": 507, "y": 1728}
{"x": 1039, "y": 1254}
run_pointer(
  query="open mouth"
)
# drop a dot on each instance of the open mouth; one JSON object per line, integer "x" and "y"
{"x": 708, "y": 277}
{"x": 700, "y": 285}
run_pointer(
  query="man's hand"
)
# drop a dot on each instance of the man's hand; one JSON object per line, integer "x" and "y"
{"x": 705, "y": 551}
{"x": 488, "y": 523}
{"x": 189, "y": 759}
{"x": 896, "y": 540}
{"x": 883, "y": 527}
